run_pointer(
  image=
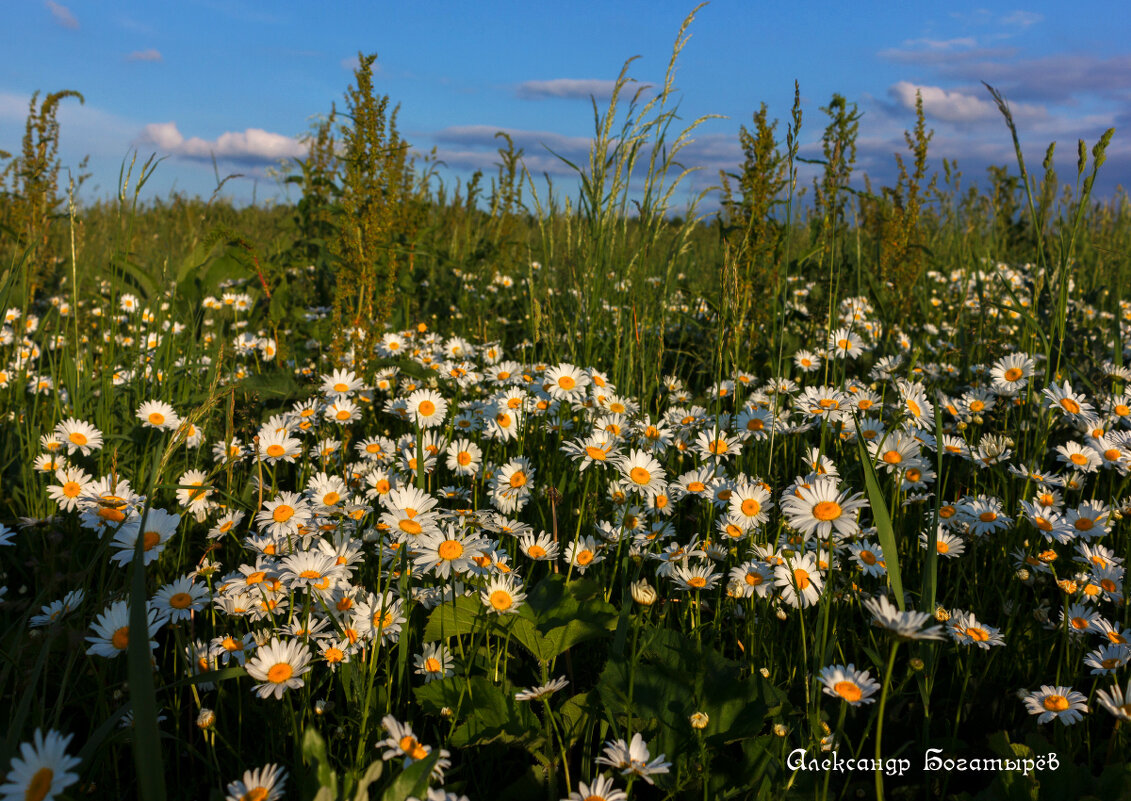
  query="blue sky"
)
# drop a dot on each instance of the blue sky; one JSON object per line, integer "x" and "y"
{"x": 242, "y": 80}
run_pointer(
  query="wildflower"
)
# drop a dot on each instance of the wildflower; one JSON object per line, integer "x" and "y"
{"x": 159, "y": 415}
{"x": 965, "y": 629}
{"x": 159, "y": 527}
{"x": 112, "y": 630}
{"x": 699, "y": 720}
{"x": 79, "y": 436}
{"x": 800, "y": 581}
{"x": 909, "y": 625}
{"x": 56, "y": 610}
{"x": 74, "y": 483}
{"x": 1061, "y": 703}
{"x": 503, "y": 595}
{"x": 1117, "y": 701}
{"x": 695, "y": 577}
{"x": 869, "y": 557}
{"x": 341, "y": 382}
{"x": 582, "y": 553}
{"x": 278, "y": 665}
{"x": 427, "y": 407}
{"x": 464, "y": 457}
{"x": 447, "y": 551}
{"x": 42, "y": 770}
{"x": 600, "y": 790}
{"x": 178, "y": 600}
{"x": 819, "y": 509}
{"x": 282, "y": 516}
{"x": 401, "y": 742}
{"x": 1108, "y": 659}
{"x": 543, "y": 691}
{"x": 261, "y": 784}
{"x": 643, "y": 593}
{"x": 633, "y": 758}
{"x": 566, "y": 382}
{"x": 853, "y": 686}
{"x": 434, "y": 662}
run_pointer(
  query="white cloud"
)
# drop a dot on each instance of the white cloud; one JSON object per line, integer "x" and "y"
{"x": 958, "y": 107}
{"x": 252, "y": 146}
{"x": 62, "y": 15}
{"x": 145, "y": 55}
{"x": 566, "y": 88}
{"x": 942, "y": 44}
{"x": 1022, "y": 19}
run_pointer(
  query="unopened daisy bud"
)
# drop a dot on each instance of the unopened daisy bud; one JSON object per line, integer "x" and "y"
{"x": 978, "y": 419}
{"x": 446, "y": 712}
{"x": 320, "y": 707}
{"x": 206, "y": 719}
{"x": 1116, "y": 514}
{"x": 699, "y": 720}
{"x": 1023, "y": 574}
{"x": 942, "y": 615}
{"x": 643, "y": 593}
{"x": 825, "y": 727}
{"x": 780, "y": 730}
{"x": 917, "y": 664}
{"x": 781, "y": 614}
{"x": 765, "y": 673}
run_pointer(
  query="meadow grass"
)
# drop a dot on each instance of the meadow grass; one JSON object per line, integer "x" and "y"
{"x": 423, "y": 491}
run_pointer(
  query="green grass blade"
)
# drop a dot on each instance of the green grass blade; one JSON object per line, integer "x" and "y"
{"x": 143, "y": 694}
{"x": 881, "y": 518}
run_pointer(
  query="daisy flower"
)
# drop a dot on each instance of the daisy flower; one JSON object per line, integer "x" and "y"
{"x": 278, "y": 666}
{"x": 447, "y": 551}
{"x": 965, "y": 629}
{"x": 869, "y": 557}
{"x": 544, "y": 691}
{"x": 112, "y": 630}
{"x": 853, "y": 686}
{"x": 276, "y": 446}
{"x": 1073, "y": 406}
{"x": 434, "y": 662}
{"x": 1061, "y": 703}
{"x": 340, "y": 382}
{"x": 600, "y": 790}
{"x": 583, "y": 553}
{"x": 42, "y": 770}
{"x": 178, "y": 600}
{"x": 159, "y": 415}
{"x": 503, "y": 595}
{"x": 540, "y": 547}
{"x": 909, "y": 625}
{"x": 1011, "y": 372}
{"x": 56, "y": 610}
{"x": 73, "y": 484}
{"x": 1117, "y": 701}
{"x": 282, "y": 516}
{"x": 427, "y": 408}
{"x": 1107, "y": 659}
{"x": 159, "y": 527}
{"x": 193, "y": 493}
{"x": 800, "y": 581}
{"x": 79, "y": 436}
{"x": 342, "y": 411}
{"x": 566, "y": 382}
{"x": 642, "y": 472}
{"x": 401, "y": 742}
{"x": 820, "y": 509}
{"x": 633, "y": 758}
{"x": 261, "y": 784}
{"x": 464, "y": 457}
{"x": 695, "y": 577}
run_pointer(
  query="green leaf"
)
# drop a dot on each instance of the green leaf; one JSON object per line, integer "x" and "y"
{"x": 881, "y": 518}
{"x": 412, "y": 781}
{"x": 314, "y": 751}
{"x": 139, "y": 669}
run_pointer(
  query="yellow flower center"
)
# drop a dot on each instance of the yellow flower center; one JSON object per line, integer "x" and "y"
{"x": 275, "y": 450}
{"x": 78, "y": 438}
{"x": 567, "y": 383}
{"x": 1069, "y": 405}
{"x": 39, "y": 785}
{"x": 120, "y": 639}
{"x": 450, "y": 549}
{"x": 801, "y": 578}
{"x": 1013, "y": 374}
{"x": 1055, "y": 703}
{"x": 156, "y": 418}
{"x": 280, "y": 673}
{"x": 518, "y": 479}
{"x": 182, "y": 600}
{"x": 584, "y": 557}
{"x": 988, "y": 517}
{"x": 282, "y": 513}
{"x": 640, "y": 476}
{"x": 848, "y": 690}
{"x": 827, "y": 510}
{"x": 432, "y": 665}
{"x": 501, "y": 600}
{"x": 150, "y": 539}
{"x": 596, "y": 453}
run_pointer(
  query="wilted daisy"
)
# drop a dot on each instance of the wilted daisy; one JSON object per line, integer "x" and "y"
{"x": 1061, "y": 703}
{"x": 261, "y": 784}
{"x": 853, "y": 686}
{"x": 42, "y": 770}
{"x": 278, "y": 665}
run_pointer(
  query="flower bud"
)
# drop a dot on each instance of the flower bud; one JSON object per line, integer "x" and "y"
{"x": 643, "y": 593}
